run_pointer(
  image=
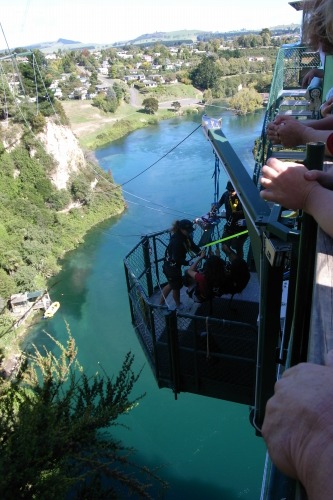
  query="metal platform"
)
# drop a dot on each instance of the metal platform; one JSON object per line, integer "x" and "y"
{"x": 205, "y": 348}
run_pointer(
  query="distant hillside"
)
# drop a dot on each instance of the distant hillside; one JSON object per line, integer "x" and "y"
{"x": 168, "y": 38}
{"x": 62, "y": 44}
{"x": 197, "y": 35}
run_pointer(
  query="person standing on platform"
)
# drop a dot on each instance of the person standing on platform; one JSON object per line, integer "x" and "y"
{"x": 181, "y": 243}
{"x": 235, "y": 219}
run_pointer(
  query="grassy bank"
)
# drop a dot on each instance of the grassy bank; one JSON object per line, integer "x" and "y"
{"x": 94, "y": 128}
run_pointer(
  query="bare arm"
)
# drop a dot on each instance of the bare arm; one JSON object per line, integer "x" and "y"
{"x": 325, "y": 179}
{"x": 192, "y": 270}
{"x": 319, "y": 73}
{"x": 285, "y": 183}
{"x": 294, "y": 133}
{"x": 326, "y": 108}
{"x": 321, "y": 124}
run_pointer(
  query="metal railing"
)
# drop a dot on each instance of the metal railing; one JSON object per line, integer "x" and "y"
{"x": 291, "y": 65}
{"x": 212, "y": 356}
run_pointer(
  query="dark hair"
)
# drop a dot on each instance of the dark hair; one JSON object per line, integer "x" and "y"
{"x": 214, "y": 271}
{"x": 182, "y": 224}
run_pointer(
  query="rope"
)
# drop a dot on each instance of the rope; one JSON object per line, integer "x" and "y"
{"x": 225, "y": 238}
{"x": 117, "y": 186}
{"x": 36, "y": 86}
{"x": 5, "y": 95}
{"x": 46, "y": 92}
{"x": 161, "y": 158}
{"x": 13, "y": 92}
{"x": 157, "y": 204}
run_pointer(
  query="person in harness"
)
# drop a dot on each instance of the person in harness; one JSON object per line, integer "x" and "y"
{"x": 235, "y": 219}
{"x": 181, "y": 244}
{"x": 216, "y": 278}
{"x": 206, "y": 282}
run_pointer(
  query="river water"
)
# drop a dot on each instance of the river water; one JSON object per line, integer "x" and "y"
{"x": 206, "y": 448}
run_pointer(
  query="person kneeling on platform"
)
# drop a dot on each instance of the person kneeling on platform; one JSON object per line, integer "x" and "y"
{"x": 217, "y": 278}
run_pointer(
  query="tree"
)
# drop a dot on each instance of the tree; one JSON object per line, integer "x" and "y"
{"x": 150, "y": 104}
{"x": 176, "y": 105}
{"x": 52, "y": 416}
{"x": 206, "y": 74}
{"x": 207, "y": 96}
{"x": 266, "y": 36}
{"x": 246, "y": 101}
{"x": 38, "y": 123}
{"x": 35, "y": 81}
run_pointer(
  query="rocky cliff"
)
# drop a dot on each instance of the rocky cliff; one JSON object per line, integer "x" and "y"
{"x": 60, "y": 142}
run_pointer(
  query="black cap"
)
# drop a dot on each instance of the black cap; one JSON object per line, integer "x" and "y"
{"x": 229, "y": 186}
{"x": 186, "y": 224}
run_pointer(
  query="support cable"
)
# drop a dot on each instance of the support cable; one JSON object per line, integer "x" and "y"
{"x": 161, "y": 158}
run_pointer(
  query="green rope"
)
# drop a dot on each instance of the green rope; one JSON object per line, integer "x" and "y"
{"x": 225, "y": 239}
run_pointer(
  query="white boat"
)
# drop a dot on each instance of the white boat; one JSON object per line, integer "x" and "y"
{"x": 51, "y": 310}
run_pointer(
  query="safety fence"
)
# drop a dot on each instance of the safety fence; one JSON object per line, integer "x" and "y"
{"x": 292, "y": 63}
{"x": 211, "y": 351}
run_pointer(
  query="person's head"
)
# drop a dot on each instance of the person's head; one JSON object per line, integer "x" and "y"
{"x": 185, "y": 226}
{"x": 318, "y": 24}
{"x": 230, "y": 188}
{"x": 214, "y": 269}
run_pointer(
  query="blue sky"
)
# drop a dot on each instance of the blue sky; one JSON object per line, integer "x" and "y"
{"x": 26, "y": 22}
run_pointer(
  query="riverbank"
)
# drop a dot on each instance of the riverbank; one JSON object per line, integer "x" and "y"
{"x": 94, "y": 128}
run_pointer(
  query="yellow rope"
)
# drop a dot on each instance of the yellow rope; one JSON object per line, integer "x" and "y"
{"x": 225, "y": 239}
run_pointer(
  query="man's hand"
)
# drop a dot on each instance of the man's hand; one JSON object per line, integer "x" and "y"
{"x": 319, "y": 73}
{"x": 286, "y": 130}
{"x": 298, "y": 427}
{"x": 327, "y": 107}
{"x": 285, "y": 183}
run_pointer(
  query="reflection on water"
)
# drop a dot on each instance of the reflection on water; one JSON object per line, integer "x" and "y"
{"x": 206, "y": 448}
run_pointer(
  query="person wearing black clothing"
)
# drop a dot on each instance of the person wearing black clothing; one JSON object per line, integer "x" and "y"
{"x": 181, "y": 243}
{"x": 234, "y": 214}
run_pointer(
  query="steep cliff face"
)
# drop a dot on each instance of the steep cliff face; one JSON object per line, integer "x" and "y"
{"x": 60, "y": 142}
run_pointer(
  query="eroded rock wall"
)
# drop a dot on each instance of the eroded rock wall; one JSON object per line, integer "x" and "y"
{"x": 60, "y": 142}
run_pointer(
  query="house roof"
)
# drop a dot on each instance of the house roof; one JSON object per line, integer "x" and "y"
{"x": 34, "y": 295}
{"x": 18, "y": 298}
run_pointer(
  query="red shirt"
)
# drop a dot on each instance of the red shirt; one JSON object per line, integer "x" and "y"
{"x": 201, "y": 282}
{"x": 329, "y": 143}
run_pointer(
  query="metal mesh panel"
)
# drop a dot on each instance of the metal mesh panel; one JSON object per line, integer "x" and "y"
{"x": 292, "y": 63}
{"x": 178, "y": 355}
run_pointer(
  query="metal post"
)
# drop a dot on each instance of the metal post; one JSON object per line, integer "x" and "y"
{"x": 271, "y": 279}
{"x": 305, "y": 272}
{"x": 146, "y": 257}
{"x": 129, "y": 293}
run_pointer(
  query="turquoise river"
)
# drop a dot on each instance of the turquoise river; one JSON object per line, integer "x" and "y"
{"x": 206, "y": 448}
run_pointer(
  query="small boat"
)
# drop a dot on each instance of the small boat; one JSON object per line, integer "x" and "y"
{"x": 51, "y": 310}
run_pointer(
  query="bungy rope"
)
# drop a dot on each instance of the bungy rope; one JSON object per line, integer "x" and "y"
{"x": 225, "y": 239}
